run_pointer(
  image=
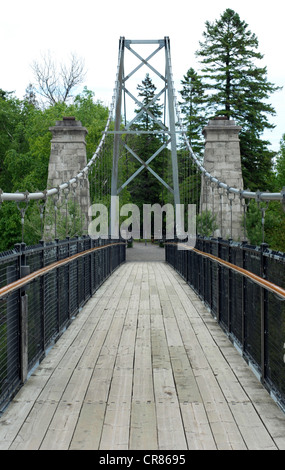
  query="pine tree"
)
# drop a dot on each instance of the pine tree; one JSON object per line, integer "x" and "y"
{"x": 145, "y": 188}
{"x": 146, "y": 94}
{"x": 239, "y": 89}
{"x": 193, "y": 109}
{"x": 280, "y": 166}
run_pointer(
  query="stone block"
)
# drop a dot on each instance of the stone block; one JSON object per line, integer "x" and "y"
{"x": 222, "y": 160}
{"x": 67, "y": 159}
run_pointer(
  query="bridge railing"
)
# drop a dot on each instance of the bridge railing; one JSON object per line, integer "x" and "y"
{"x": 42, "y": 289}
{"x": 244, "y": 288}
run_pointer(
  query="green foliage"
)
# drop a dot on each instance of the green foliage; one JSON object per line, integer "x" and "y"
{"x": 239, "y": 89}
{"x": 193, "y": 108}
{"x": 253, "y": 224}
{"x": 280, "y": 166}
{"x": 206, "y": 223}
{"x": 274, "y": 224}
{"x": 25, "y": 151}
{"x": 10, "y": 225}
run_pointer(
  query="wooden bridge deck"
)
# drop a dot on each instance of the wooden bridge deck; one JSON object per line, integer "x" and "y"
{"x": 143, "y": 366}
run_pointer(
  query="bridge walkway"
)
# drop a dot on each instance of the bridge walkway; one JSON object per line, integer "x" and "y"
{"x": 143, "y": 366}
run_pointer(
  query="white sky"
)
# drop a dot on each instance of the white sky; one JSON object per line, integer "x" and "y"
{"x": 92, "y": 30}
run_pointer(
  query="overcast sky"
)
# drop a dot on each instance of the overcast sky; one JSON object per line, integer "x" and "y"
{"x": 92, "y": 29}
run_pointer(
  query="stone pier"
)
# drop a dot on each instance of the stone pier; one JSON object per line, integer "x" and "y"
{"x": 67, "y": 159}
{"x": 222, "y": 160}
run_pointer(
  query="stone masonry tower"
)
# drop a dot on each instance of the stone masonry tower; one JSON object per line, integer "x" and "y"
{"x": 222, "y": 159}
{"x": 67, "y": 158}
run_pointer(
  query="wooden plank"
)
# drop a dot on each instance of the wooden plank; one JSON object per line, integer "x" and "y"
{"x": 197, "y": 428}
{"x": 143, "y": 430}
{"x": 143, "y": 379}
{"x": 115, "y": 435}
{"x": 170, "y": 429}
{"x": 89, "y": 426}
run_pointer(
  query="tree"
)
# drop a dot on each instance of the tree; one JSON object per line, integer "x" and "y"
{"x": 30, "y": 96}
{"x": 193, "y": 109}
{"x": 239, "y": 89}
{"x": 56, "y": 83}
{"x": 11, "y": 129}
{"x": 145, "y": 188}
{"x": 280, "y": 166}
{"x": 147, "y": 93}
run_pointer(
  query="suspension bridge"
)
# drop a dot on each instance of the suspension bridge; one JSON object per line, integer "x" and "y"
{"x": 158, "y": 346}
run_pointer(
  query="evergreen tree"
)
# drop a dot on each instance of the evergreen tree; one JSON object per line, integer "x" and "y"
{"x": 280, "y": 166}
{"x": 145, "y": 188}
{"x": 146, "y": 94}
{"x": 30, "y": 96}
{"x": 193, "y": 109}
{"x": 239, "y": 89}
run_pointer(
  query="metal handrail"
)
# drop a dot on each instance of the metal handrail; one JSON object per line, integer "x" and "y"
{"x": 244, "y": 272}
{"x": 13, "y": 286}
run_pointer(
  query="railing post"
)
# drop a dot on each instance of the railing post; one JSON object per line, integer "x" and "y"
{"x": 186, "y": 262}
{"x": 77, "y": 273}
{"x": 12, "y": 320}
{"x": 56, "y": 241}
{"x": 23, "y": 323}
{"x": 68, "y": 279}
{"x": 24, "y": 336}
{"x": 198, "y": 266}
{"x": 263, "y": 301}
{"x": 229, "y": 287}
{"x": 203, "y": 269}
{"x": 111, "y": 249}
{"x": 91, "y": 268}
{"x": 243, "y": 297}
{"x": 43, "y": 300}
{"x": 218, "y": 281}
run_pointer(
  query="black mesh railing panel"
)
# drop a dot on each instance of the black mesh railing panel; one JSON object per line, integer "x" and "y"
{"x": 34, "y": 259}
{"x": 275, "y": 357}
{"x": 35, "y": 333}
{"x": 252, "y": 261}
{"x": 275, "y": 270}
{"x": 236, "y": 307}
{"x": 51, "y": 300}
{"x": 9, "y": 346}
{"x": 9, "y": 270}
{"x": 73, "y": 287}
{"x": 50, "y": 307}
{"x": 50, "y": 254}
{"x": 224, "y": 295}
{"x": 252, "y": 316}
{"x": 63, "y": 296}
{"x": 237, "y": 256}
